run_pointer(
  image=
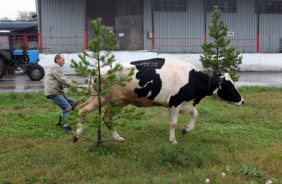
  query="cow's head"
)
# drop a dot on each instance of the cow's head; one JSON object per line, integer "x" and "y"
{"x": 227, "y": 90}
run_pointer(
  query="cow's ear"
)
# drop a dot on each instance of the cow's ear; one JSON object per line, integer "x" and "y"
{"x": 216, "y": 73}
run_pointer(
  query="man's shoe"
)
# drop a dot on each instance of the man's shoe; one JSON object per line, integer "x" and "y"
{"x": 68, "y": 129}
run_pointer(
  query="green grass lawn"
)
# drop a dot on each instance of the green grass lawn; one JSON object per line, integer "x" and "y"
{"x": 243, "y": 142}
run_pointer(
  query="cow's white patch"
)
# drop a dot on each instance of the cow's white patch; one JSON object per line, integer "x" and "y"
{"x": 186, "y": 107}
{"x": 240, "y": 103}
{"x": 215, "y": 91}
{"x": 151, "y": 81}
{"x": 149, "y": 93}
{"x": 228, "y": 78}
{"x": 175, "y": 70}
{"x": 172, "y": 71}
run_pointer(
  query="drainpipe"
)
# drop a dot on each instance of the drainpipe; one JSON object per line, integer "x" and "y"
{"x": 258, "y": 15}
{"x": 153, "y": 30}
{"x": 39, "y": 21}
{"x": 85, "y": 23}
{"x": 205, "y": 21}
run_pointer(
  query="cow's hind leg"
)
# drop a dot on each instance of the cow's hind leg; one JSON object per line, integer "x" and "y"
{"x": 89, "y": 106}
{"x": 173, "y": 114}
{"x": 79, "y": 130}
{"x": 191, "y": 125}
{"x": 108, "y": 116}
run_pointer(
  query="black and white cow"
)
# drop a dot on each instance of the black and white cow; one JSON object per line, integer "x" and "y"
{"x": 177, "y": 85}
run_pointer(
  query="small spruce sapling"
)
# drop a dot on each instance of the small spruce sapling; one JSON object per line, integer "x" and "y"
{"x": 215, "y": 54}
{"x": 90, "y": 66}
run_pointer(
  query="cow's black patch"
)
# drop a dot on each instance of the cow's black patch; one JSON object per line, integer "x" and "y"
{"x": 148, "y": 78}
{"x": 196, "y": 88}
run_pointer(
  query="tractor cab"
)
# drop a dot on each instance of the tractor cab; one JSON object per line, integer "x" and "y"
{"x": 26, "y": 60}
{"x": 5, "y": 45}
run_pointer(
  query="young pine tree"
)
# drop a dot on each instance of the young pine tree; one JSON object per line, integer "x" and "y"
{"x": 215, "y": 54}
{"x": 101, "y": 47}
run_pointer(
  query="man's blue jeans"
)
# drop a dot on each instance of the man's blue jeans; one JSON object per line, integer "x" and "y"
{"x": 64, "y": 102}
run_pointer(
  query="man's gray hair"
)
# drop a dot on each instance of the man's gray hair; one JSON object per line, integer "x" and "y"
{"x": 58, "y": 56}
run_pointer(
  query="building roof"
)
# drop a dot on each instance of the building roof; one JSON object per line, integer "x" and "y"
{"x": 15, "y": 26}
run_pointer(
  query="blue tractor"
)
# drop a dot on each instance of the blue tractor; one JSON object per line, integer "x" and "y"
{"x": 26, "y": 60}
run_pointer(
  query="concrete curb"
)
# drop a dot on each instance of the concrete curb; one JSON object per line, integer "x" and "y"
{"x": 251, "y": 62}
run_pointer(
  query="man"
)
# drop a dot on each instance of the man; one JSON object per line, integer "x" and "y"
{"x": 54, "y": 84}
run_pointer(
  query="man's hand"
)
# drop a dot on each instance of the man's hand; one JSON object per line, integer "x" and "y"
{"x": 80, "y": 86}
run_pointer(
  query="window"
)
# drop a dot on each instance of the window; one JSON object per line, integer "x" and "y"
{"x": 4, "y": 42}
{"x": 223, "y": 6}
{"x": 269, "y": 7}
{"x": 170, "y": 5}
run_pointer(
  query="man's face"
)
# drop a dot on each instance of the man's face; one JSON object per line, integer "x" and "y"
{"x": 61, "y": 61}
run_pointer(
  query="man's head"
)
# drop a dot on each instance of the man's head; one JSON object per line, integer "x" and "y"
{"x": 60, "y": 59}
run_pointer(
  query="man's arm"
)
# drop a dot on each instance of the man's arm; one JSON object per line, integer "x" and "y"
{"x": 59, "y": 75}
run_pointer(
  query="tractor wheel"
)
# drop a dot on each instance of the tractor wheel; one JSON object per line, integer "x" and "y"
{"x": 35, "y": 72}
{"x": 2, "y": 68}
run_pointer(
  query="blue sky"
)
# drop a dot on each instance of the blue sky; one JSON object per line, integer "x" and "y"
{"x": 10, "y": 8}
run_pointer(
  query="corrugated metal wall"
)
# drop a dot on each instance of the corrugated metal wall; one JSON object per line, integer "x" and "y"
{"x": 190, "y": 24}
{"x": 62, "y": 18}
{"x": 270, "y": 32}
{"x": 244, "y": 25}
{"x": 66, "y": 18}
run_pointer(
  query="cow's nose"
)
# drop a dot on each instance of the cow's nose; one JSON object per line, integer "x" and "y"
{"x": 243, "y": 102}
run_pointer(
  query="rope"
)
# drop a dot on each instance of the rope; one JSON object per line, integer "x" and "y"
{"x": 74, "y": 105}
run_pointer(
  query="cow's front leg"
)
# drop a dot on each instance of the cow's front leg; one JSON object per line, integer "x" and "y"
{"x": 109, "y": 116}
{"x": 191, "y": 125}
{"x": 173, "y": 114}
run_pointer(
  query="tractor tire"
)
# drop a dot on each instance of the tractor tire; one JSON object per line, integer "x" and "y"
{"x": 2, "y": 68}
{"x": 35, "y": 72}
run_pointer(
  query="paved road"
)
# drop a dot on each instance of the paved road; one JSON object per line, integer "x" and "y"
{"x": 21, "y": 83}
{"x": 260, "y": 79}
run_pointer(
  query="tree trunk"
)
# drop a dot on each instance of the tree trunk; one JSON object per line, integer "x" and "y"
{"x": 99, "y": 143}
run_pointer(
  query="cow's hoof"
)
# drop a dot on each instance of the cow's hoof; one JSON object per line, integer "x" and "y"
{"x": 173, "y": 141}
{"x": 119, "y": 139}
{"x": 75, "y": 138}
{"x": 186, "y": 130}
